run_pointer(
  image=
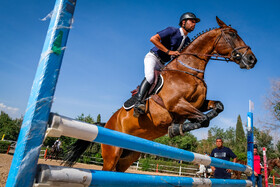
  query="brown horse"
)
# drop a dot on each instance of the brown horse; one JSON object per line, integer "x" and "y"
{"x": 271, "y": 164}
{"x": 182, "y": 97}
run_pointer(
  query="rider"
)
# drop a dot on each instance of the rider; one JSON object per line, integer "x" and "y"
{"x": 57, "y": 144}
{"x": 168, "y": 43}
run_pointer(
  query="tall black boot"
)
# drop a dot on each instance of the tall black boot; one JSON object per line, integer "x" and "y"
{"x": 139, "y": 107}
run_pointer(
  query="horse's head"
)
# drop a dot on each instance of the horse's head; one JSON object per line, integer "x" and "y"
{"x": 230, "y": 43}
{"x": 277, "y": 162}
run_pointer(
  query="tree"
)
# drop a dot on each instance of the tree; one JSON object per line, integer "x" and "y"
{"x": 240, "y": 138}
{"x": 186, "y": 142}
{"x": 9, "y": 127}
{"x": 98, "y": 119}
{"x": 264, "y": 139}
{"x": 272, "y": 103}
{"x": 278, "y": 148}
{"x": 87, "y": 119}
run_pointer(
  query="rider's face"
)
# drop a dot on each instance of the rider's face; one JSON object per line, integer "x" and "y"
{"x": 189, "y": 25}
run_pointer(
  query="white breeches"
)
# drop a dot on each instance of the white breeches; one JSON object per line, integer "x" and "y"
{"x": 151, "y": 63}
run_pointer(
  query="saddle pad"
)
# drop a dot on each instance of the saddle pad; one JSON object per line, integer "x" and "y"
{"x": 131, "y": 102}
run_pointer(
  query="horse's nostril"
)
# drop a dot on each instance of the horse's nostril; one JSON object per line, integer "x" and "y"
{"x": 252, "y": 58}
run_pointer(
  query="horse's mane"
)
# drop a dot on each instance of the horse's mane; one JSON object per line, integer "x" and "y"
{"x": 195, "y": 37}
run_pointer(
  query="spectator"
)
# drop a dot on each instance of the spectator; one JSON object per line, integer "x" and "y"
{"x": 257, "y": 167}
{"x": 224, "y": 153}
{"x": 57, "y": 144}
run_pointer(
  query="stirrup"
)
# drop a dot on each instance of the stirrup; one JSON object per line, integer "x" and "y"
{"x": 139, "y": 109}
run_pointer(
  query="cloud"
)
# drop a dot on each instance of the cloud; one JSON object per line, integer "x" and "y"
{"x": 8, "y": 109}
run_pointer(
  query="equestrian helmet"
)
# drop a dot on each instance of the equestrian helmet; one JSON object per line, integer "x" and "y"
{"x": 187, "y": 16}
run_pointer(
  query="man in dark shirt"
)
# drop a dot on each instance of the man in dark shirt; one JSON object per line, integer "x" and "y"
{"x": 224, "y": 153}
{"x": 168, "y": 44}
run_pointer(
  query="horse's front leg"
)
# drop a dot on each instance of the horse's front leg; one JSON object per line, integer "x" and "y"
{"x": 216, "y": 107}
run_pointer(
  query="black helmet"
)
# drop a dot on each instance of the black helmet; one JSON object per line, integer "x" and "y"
{"x": 187, "y": 16}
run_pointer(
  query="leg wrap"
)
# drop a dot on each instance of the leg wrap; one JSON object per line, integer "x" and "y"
{"x": 180, "y": 129}
{"x": 219, "y": 107}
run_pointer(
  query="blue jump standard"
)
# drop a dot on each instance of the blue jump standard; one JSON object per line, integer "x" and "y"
{"x": 34, "y": 125}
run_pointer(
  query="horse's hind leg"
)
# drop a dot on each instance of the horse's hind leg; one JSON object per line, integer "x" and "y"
{"x": 126, "y": 160}
{"x": 110, "y": 155}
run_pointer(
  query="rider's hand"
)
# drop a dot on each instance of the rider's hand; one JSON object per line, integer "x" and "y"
{"x": 174, "y": 53}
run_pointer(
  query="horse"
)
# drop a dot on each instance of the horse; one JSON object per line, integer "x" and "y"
{"x": 271, "y": 164}
{"x": 180, "y": 104}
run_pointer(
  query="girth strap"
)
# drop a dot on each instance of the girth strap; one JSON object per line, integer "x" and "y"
{"x": 158, "y": 100}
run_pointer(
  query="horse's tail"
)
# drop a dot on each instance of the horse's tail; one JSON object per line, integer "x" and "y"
{"x": 75, "y": 151}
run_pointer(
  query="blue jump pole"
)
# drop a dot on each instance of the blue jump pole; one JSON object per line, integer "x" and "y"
{"x": 23, "y": 167}
{"x": 250, "y": 142}
{"x": 55, "y": 175}
{"x": 73, "y": 128}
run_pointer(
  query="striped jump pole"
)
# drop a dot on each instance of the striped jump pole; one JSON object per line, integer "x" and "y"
{"x": 250, "y": 141}
{"x": 63, "y": 176}
{"x": 65, "y": 126}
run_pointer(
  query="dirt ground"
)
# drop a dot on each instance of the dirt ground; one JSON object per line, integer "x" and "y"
{"x": 6, "y": 160}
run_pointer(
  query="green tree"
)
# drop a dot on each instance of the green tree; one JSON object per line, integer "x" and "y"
{"x": 98, "y": 119}
{"x": 87, "y": 119}
{"x": 9, "y": 127}
{"x": 187, "y": 142}
{"x": 240, "y": 138}
{"x": 278, "y": 148}
{"x": 264, "y": 139}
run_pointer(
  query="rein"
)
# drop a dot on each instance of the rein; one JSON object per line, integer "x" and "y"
{"x": 213, "y": 56}
{"x": 202, "y": 80}
{"x": 216, "y": 56}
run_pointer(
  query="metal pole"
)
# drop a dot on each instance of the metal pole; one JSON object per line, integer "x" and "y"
{"x": 250, "y": 142}
{"x": 57, "y": 176}
{"x": 23, "y": 167}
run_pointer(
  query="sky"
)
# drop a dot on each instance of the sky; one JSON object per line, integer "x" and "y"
{"x": 104, "y": 56}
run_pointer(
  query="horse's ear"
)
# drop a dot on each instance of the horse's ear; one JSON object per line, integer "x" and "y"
{"x": 220, "y": 22}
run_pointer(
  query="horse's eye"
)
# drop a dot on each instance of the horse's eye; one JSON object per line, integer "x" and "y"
{"x": 232, "y": 34}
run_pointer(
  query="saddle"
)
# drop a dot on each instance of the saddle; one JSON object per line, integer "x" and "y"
{"x": 155, "y": 88}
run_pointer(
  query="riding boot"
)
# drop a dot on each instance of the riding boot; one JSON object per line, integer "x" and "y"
{"x": 139, "y": 107}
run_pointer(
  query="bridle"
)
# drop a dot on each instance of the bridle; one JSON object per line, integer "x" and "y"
{"x": 235, "y": 54}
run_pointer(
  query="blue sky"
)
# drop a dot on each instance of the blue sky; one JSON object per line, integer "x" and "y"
{"x": 103, "y": 61}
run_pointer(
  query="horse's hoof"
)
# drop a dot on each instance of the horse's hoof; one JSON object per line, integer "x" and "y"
{"x": 173, "y": 130}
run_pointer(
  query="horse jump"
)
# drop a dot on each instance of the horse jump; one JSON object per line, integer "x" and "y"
{"x": 60, "y": 125}
{"x": 63, "y": 176}
{"x": 190, "y": 103}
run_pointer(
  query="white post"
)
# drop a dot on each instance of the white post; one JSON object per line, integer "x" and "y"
{"x": 180, "y": 171}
